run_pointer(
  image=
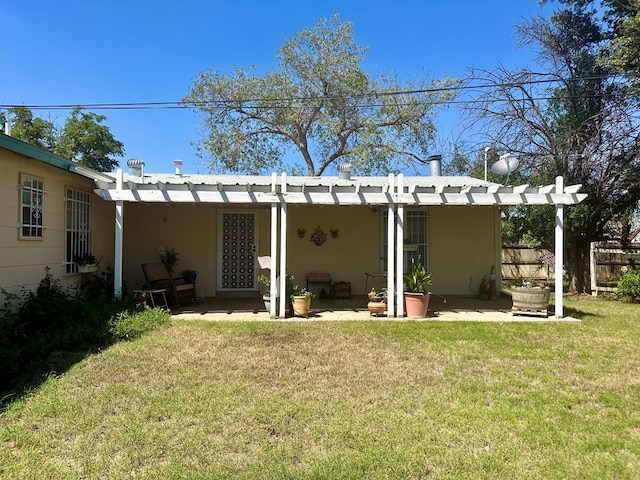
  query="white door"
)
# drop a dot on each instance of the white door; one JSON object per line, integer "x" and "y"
{"x": 237, "y": 255}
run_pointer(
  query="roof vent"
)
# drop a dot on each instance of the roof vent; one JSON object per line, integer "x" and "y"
{"x": 344, "y": 171}
{"x": 136, "y": 167}
{"x": 178, "y": 164}
{"x": 7, "y": 128}
{"x": 435, "y": 163}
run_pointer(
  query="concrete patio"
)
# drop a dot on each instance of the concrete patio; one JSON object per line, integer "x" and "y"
{"x": 444, "y": 309}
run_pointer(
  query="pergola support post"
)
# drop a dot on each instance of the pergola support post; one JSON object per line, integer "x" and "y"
{"x": 283, "y": 248}
{"x": 117, "y": 261}
{"x": 559, "y": 251}
{"x": 400, "y": 249}
{"x": 391, "y": 228}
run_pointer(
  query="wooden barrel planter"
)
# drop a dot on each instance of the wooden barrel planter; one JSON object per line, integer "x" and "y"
{"x": 530, "y": 301}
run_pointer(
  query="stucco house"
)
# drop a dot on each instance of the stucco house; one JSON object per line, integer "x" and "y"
{"x": 357, "y": 229}
{"x": 48, "y": 215}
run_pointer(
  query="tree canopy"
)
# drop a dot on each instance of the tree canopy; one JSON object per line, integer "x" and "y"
{"x": 88, "y": 142}
{"x": 83, "y": 138}
{"x": 319, "y": 103}
{"x": 573, "y": 118}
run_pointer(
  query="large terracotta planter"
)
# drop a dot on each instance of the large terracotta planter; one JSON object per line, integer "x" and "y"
{"x": 416, "y": 304}
{"x": 301, "y": 305}
{"x": 530, "y": 300}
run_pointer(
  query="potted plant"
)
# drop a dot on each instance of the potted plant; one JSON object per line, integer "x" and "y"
{"x": 416, "y": 292}
{"x": 301, "y": 301}
{"x": 189, "y": 276}
{"x": 530, "y": 299}
{"x": 377, "y": 302}
{"x": 86, "y": 263}
{"x": 169, "y": 258}
{"x": 290, "y": 286}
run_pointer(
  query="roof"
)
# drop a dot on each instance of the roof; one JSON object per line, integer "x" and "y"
{"x": 329, "y": 190}
{"x": 27, "y": 150}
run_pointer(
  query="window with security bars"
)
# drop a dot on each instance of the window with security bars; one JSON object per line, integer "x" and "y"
{"x": 78, "y": 229}
{"x": 416, "y": 239}
{"x": 32, "y": 207}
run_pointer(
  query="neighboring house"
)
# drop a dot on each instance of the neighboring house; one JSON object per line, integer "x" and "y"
{"x": 48, "y": 215}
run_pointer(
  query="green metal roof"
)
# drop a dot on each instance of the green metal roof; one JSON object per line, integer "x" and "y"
{"x": 22, "y": 148}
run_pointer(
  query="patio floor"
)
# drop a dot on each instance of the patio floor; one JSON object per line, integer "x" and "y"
{"x": 450, "y": 308}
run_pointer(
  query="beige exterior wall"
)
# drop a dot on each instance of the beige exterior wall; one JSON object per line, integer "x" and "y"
{"x": 23, "y": 262}
{"x": 464, "y": 242}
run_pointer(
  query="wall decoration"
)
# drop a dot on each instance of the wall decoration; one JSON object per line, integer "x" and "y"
{"x": 318, "y": 236}
{"x": 301, "y": 232}
{"x": 334, "y": 232}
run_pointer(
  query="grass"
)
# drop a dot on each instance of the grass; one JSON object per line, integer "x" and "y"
{"x": 343, "y": 400}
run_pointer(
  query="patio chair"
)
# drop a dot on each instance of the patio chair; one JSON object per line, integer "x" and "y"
{"x": 178, "y": 291}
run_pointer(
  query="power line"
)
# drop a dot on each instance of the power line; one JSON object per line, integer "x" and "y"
{"x": 465, "y": 85}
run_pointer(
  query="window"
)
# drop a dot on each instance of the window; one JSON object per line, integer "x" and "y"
{"x": 416, "y": 234}
{"x": 78, "y": 239}
{"x": 32, "y": 206}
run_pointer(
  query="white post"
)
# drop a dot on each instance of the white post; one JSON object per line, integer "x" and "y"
{"x": 283, "y": 248}
{"x": 559, "y": 249}
{"x": 117, "y": 261}
{"x": 273, "y": 271}
{"x": 391, "y": 223}
{"x": 592, "y": 269}
{"x": 400, "y": 249}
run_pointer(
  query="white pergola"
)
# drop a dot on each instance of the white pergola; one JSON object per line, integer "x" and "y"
{"x": 394, "y": 193}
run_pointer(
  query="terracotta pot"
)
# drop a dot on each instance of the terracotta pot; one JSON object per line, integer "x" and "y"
{"x": 301, "y": 305}
{"x": 416, "y": 304}
{"x": 377, "y": 308}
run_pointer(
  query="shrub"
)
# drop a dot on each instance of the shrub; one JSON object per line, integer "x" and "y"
{"x": 45, "y": 329}
{"x": 629, "y": 286}
{"x": 129, "y": 325}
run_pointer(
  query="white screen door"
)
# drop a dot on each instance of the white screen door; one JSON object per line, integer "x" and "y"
{"x": 237, "y": 257}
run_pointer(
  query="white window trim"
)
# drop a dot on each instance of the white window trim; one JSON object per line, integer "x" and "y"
{"x": 21, "y": 205}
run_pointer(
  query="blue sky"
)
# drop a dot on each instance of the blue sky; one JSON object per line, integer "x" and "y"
{"x": 84, "y": 52}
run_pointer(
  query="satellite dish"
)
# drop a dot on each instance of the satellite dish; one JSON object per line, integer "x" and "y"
{"x": 505, "y": 165}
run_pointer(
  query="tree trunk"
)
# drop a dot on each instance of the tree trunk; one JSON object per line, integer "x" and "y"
{"x": 577, "y": 263}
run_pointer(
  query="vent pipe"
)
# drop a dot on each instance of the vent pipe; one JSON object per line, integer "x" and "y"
{"x": 7, "y": 128}
{"x": 435, "y": 164}
{"x": 136, "y": 167}
{"x": 344, "y": 171}
{"x": 178, "y": 164}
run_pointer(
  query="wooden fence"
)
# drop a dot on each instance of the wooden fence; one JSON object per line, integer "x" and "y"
{"x": 523, "y": 263}
{"x": 607, "y": 261}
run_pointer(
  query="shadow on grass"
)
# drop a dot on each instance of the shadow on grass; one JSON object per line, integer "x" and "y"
{"x": 37, "y": 372}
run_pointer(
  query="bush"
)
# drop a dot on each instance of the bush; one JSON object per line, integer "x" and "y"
{"x": 129, "y": 325}
{"x": 49, "y": 328}
{"x": 628, "y": 287}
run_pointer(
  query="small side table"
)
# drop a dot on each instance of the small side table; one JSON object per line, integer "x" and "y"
{"x": 149, "y": 296}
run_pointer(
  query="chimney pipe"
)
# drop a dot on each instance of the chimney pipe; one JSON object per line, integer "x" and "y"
{"x": 435, "y": 163}
{"x": 178, "y": 164}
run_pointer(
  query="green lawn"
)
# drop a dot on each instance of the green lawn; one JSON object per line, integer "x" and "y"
{"x": 344, "y": 400}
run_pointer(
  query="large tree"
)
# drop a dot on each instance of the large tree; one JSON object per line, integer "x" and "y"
{"x": 34, "y": 130}
{"x": 320, "y": 103}
{"x": 573, "y": 119}
{"x": 88, "y": 142}
{"x": 83, "y": 139}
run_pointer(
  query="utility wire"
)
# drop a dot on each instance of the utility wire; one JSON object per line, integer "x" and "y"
{"x": 466, "y": 85}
